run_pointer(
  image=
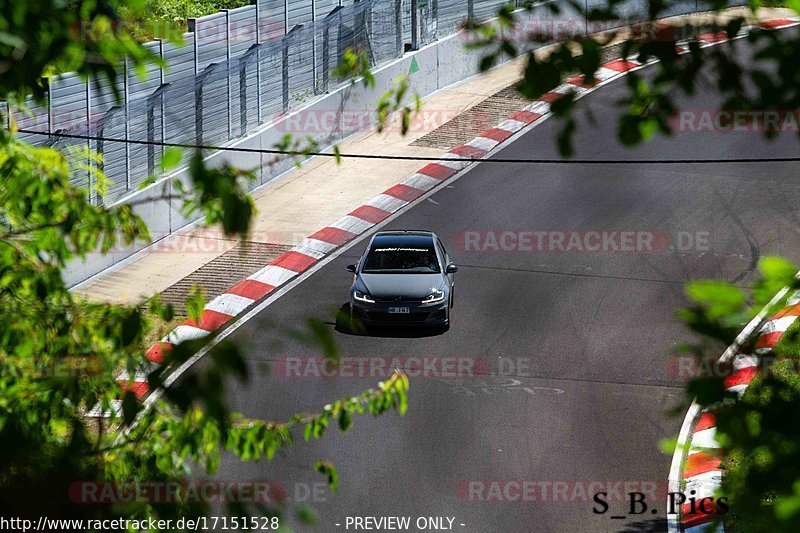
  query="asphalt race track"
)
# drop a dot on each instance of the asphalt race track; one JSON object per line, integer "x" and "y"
{"x": 589, "y": 332}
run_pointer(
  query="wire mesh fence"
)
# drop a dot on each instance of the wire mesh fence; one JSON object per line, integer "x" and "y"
{"x": 240, "y": 69}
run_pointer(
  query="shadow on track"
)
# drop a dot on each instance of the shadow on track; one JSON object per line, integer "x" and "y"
{"x": 348, "y": 326}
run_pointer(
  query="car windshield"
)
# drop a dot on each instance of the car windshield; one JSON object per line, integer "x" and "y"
{"x": 397, "y": 259}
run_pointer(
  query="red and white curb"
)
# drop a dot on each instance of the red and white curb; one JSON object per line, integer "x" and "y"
{"x": 239, "y": 298}
{"x": 696, "y": 461}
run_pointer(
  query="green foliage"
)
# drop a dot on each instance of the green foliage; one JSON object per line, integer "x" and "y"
{"x": 60, "y": 355}
{"x": 354, "y": 65}
{"x": 759, "y": 434}
{"x": 44, "y": 434}
{"x": 37, "y": 38}
{"x": 166, "y": 19}
{"x": 393, "y": 101}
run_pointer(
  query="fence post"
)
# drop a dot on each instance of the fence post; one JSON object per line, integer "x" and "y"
{"x": 101, "y": 131}
{"x": 314, "y": 46}
{"x": 398, "y": 24}
{"x": 285, "y": 74}
{"x": 198, "y": 87}
{"x": 470, "y": 10}
{"x": 285, "y": 65}
{"x": 363, "y": 31}
{"x": 228, "y": 69}
{"x": 586, "y": 16}
{"x": 253, "y": 51}
{"x": 258, "y": 59}
{"x": 162, "y": 78}
{"x": 327, "y": 22}
{"x": 285, "y": 17}
{"x": 125, "y": 99}
{"x": 199, "y": 81}
{"x": 93, "y": 196}
{"x": 435, "y": 20}
{"x": 192, "y": 28}
{"x": 158, "y": 94}
{"x": 341, "y": 44}
{"x": 415, "y": 24}
{"x": 49, "y": 104}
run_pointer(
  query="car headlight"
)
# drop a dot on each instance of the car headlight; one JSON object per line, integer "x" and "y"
{"x": 363, "y": 297}
{"x": 435, "y": 296}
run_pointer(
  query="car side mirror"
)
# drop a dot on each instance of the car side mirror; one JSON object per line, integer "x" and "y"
{"x": 451, "y": 269}
{"x": 351, "y": 268}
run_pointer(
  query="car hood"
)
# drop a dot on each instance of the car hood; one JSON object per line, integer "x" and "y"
{"x": 401, "y": 285}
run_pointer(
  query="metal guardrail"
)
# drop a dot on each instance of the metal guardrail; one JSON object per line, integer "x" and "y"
{"x": 241, "y": 69}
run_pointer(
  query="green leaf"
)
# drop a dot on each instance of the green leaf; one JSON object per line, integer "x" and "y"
{"x": 329, "y": 471}
{"x": 307, "y": 515}
{"x": 715, "y": 292}
{"x": 130, "y": 407}
{"x": 170, "y": 159}
{"x": 196, "y": 302}
{"x": 344, "y": 420}
{"x": 777, "y": 269}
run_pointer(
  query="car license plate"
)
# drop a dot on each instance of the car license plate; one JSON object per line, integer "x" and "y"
{"x": 399, "y": 309}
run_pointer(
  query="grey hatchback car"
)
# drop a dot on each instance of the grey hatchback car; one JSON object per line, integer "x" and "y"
{"x": 403, "y": 277}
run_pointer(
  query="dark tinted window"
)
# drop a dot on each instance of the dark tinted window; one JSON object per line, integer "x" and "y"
{"x": 409, "y": 255}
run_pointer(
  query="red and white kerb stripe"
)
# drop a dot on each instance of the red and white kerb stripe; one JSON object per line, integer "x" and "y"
{"x": 701, "y": 471}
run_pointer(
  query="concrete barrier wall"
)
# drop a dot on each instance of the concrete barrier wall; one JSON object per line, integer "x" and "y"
{"x": 441, "y": 64}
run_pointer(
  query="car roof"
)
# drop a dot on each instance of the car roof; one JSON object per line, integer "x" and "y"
{"x": 390, "y": 238}
{"x": 405, "y": 232}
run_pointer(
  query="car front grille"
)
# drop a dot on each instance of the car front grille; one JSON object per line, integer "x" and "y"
{"x": 377, "y": 316}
